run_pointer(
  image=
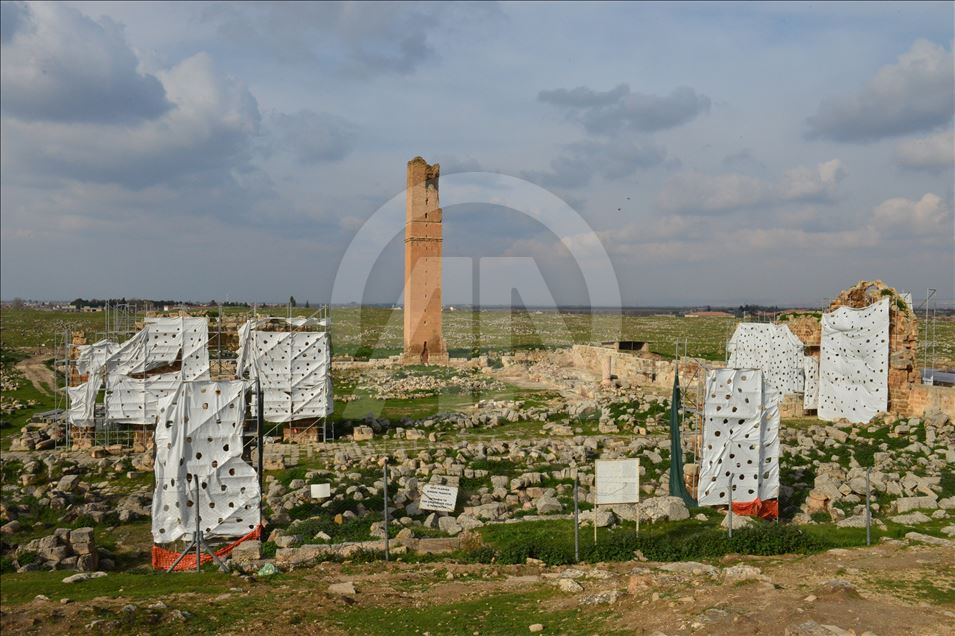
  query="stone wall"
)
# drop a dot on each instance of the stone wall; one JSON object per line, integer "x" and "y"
{"x": 924, "y": 397}
{"x": 635, "y": 368}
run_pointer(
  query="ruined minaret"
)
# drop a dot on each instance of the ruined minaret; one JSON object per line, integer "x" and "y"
{"x": 422, "y": 312}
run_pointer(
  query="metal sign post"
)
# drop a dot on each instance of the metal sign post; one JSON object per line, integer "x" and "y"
{"x": 868, "y": 509}
{"x": 730, "y": 495}
{"x": 576, "y": 521}
{"x": 385, "y": 474}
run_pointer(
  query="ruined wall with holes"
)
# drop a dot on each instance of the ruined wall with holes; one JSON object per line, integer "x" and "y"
{"x": 903, "y": 338}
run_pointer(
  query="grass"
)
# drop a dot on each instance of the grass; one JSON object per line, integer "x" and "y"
{"x": 504, "y": 614}
{"x": 691, "y": 540}
{"x": 22, "y": 588}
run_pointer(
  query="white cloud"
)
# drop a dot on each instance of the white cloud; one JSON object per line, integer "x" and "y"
{"x": 610, "y": 112}
{"x": 807, "y": 184}
{"x": 930, "y": 216}
{"x": 915, "y": 94}
{"x": 932, "y": 153}
{"x": 59, "y": 65}
{"x": 204, "y": 137}
{"x": 695, "y": 193}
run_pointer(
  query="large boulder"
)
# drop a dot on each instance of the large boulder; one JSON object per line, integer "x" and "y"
{"x": 663, "y": 509}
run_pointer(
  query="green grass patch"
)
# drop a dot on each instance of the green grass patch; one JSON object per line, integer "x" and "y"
{"x": 504, "y": 614}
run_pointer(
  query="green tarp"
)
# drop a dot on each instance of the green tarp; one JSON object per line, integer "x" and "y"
{"x": 677, "y": 487}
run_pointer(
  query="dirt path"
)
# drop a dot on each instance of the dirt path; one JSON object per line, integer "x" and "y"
{"x": 35, "y": 370}
{"x": 889, "y": 589}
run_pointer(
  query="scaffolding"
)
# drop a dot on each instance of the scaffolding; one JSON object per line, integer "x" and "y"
{"x": 929, "y": 335}
{"x": 303, "y": 428}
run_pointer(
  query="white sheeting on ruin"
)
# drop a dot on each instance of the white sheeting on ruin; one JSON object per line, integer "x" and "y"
{"x": 162, "y": 342}
{"x": 199, "y": 441}
{"x": 854, "y": 363}
{"x": 810, "y": 397}
{"x": 83, "y": 401}
{"x": 740, "y": 438}
{"x": 135, "y": 401}
{"x": 773, "y": 349}
{"x": 91, "y": 358}
{"x": 294, "y": 370}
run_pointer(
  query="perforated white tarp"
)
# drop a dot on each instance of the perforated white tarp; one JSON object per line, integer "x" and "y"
{"x": 810, "y": 397}
{"x": 92, "y": 358}
{"x": 162, "y": 342}
{"x": 773, "y": 349}
{"x": 854, "y": 363}
{"x": 294, "y": 370}
{"x": 740, "y": 438}
{"x": 135, "y": 401}
{"x": 199, "y": 443}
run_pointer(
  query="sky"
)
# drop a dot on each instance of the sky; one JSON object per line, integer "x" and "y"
{"x": 700, "y": 154}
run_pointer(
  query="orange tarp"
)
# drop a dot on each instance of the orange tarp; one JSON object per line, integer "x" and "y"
{"x": 768, "y": 509}
{"x": 163, "y": 558}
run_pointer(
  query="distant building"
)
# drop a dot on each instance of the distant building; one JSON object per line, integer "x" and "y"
{"x": 709, "y": 314}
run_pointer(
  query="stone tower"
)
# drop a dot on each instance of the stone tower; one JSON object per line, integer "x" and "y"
{"x": 422, "y": 311}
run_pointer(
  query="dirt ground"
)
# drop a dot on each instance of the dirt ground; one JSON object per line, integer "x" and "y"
{"x": 34, "y": 370}
{"x": 885, "y": 590}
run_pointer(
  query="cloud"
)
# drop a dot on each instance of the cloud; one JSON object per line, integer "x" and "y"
{"x": 357, "y": 38}
{"x": 916, "y": 94}
{"x": 933, "y": 153}
{"x": 314, "y": 137}
{"x": 695, "y": 193}
{"x": 59, "y": 65}
{"x": 811, "y": 184}
{"x": 903, "y": 217}
{"x": 699, "y": 193}
{"x": 743, "y": 160}
{"x": 581, "y": 161}
{"x": 619, "y": 109}
{"x": 203, "y": 139}
{"x": 14, "y": 16}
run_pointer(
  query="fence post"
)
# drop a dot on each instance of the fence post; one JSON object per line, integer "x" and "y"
{"x": 576, "y": 521}
{"x": 730, "y": 520}
{"x": 868, "y": 509}
{"x": 385, "y": 469}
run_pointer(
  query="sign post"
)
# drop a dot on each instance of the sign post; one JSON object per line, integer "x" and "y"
{"x": 616, "y": 481}
{"x": 576, "y": 520}
{"x": 384, "y": 466}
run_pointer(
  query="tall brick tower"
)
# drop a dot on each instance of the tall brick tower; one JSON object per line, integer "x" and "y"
{"x": 422, "y": 311}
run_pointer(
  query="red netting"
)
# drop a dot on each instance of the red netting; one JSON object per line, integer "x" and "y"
{"x": 768, "y": 509}
{"x": 163, "y": 558}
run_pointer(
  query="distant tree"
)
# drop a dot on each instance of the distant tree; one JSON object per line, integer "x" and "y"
{"x": 291, "y": 301}
{"x": 307, "y": 306}
{"x": 17, "y": 303}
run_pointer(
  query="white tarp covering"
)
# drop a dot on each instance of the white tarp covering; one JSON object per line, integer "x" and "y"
{"x": 92, "y": 358}
{"x": 199, "y": 442}
{"x": 294, "y": 370}
{"x": 162, "y": 342}
{"x": 810, "y": 397}
{"x": 83, "y": 401}
{"x": 772, "y": 348}
{"x": 854, "y": 363}
{"x": 133, "y": 401}
{"x": 740, "y": 438}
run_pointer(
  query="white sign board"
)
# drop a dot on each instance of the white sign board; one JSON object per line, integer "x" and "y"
{"x": 321, "y": 491}
{"x": 438, "y": 497}
{"x": 618, "y": 481}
